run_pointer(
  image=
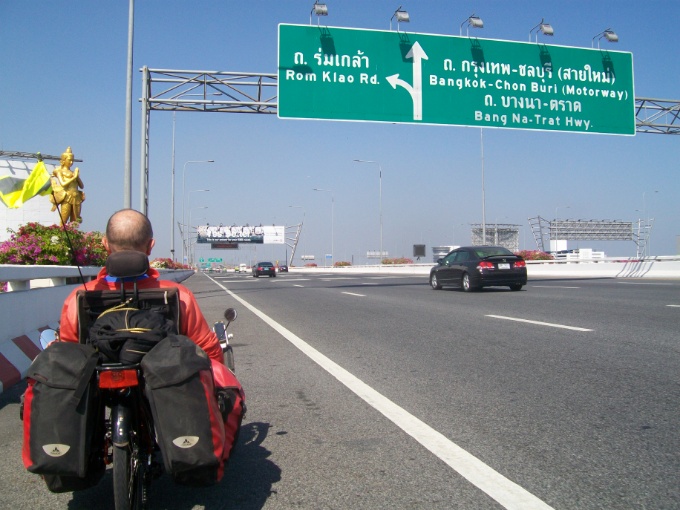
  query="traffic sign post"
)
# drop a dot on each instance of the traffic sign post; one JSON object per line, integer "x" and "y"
{"x": 383, "y": 76}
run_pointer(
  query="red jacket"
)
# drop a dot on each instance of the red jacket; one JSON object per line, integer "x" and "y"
{"x": 192, "y": 321}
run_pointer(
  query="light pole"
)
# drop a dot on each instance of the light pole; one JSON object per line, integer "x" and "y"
{"x": 481, "y": 144}
{"x": 172, "y": 195}
{"x": 332, "y": 224}
{"x": 185, "y": 237}
{"x": 380, "y": 202}
{"x": 184, "y": 170}
{"x": 647, "y": 226}
{"x": 191, "y": 255}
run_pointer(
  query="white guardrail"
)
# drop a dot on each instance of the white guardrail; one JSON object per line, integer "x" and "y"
{"x": 607, "y": 267}
{"x": 33, "y": 303}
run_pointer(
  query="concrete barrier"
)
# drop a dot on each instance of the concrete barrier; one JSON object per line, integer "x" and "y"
{"x": 652, "y": 267}
{"x": 24, "y": 314}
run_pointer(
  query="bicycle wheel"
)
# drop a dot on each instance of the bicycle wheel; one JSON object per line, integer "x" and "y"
{"x": 129, "y": 490}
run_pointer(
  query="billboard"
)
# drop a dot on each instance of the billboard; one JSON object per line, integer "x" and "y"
{"x": 241, "y": 234}
{"x": 336, "y": 73}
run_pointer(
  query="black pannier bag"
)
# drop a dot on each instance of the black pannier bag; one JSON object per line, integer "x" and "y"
{"x": 189, "y": 425}
{"x": 61, "y": 414}
{"x": 125, "y": 333}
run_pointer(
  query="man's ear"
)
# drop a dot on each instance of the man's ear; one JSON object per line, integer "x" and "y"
{"x": 105, "y": 242}
{"x": 152, "y": 243}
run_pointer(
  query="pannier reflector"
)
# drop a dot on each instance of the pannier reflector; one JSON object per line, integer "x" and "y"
{"x": 118, "y": 378}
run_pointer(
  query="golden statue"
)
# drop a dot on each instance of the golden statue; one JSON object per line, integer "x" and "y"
{"x": 65, "y": 192}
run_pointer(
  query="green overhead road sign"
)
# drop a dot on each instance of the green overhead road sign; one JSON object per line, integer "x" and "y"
{"x": 383, "y": 76}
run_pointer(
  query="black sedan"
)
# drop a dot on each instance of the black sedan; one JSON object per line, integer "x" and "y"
{"x": 474, "y": 267}
{"x": 264, "y": 268}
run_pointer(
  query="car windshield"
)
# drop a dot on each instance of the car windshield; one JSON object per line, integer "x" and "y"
{"x": 492, "y": 251}
{"x": 265, "y": 264}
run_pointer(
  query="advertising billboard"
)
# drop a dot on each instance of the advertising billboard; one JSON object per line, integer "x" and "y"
{"x": 241, "y": 234}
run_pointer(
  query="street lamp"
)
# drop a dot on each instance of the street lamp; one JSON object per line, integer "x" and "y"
{"x": 183, "y": 195}
{"x": 380, "y": 199}
{"x": 647, "y": 226}
{"x": 185, "y": 237}
{"x": 332, "y": 224}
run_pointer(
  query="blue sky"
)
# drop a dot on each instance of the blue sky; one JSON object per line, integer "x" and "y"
{"x": 63, "y": 84}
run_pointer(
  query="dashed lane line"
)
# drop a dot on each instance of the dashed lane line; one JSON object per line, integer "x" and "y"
{"x": 539, "y": 323}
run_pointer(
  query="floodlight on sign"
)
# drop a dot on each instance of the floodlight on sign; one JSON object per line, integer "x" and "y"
{"x": 544, "y": 28}
{"x": 473, "y": 21}
{"x": 402, "y": 17}
{"x": 608, "y": 34}
{"x": 319, "y": 10}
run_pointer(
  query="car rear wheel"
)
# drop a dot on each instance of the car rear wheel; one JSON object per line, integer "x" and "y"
{"x": 516, "y": 286}
{"x": 434, "y": 283}
{"x": 465, "y": 283}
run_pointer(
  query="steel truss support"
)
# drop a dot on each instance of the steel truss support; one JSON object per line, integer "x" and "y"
{"x": 660, "y": 116}
{"x": 293, "y": 230}
{"x": 200, "y": 91}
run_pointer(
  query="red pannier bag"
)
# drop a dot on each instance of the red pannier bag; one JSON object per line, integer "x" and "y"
{"x": 63, "y": 418}
{"x": 232, "y": 403}
{"x": 190, "y": 428}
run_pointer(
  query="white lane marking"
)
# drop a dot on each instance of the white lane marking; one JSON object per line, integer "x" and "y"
{"x": 353, "y": 294}
{"x": 506, "y": 492}
{"x": 369, "y": 283}
{"x": 338, "y": 278}
{"x": 573, "y": 328}
{"x": 553, "y": 287}
{"x": 296, "y": 285}
{"x": 674, "y": 306}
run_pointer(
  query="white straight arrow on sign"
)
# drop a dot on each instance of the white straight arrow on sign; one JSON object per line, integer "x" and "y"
{"x": 416, "y": 91}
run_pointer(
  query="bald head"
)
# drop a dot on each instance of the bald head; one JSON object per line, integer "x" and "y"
{"x": 128, "y": 229}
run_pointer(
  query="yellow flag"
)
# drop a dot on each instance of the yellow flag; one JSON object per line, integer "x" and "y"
{"x": 14, "y": 192}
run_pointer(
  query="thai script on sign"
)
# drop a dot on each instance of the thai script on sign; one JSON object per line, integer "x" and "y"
{"x": 333, "y": 59}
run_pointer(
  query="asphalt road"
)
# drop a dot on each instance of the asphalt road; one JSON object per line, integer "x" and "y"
{"x": 377, "y": 392}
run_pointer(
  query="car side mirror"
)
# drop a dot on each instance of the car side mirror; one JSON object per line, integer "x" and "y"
{"x": 440, "y": 262}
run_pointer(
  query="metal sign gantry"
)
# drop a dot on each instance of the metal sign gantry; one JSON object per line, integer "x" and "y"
{"x": 233, "y": 92}
{"x": 200, "y": 91}
{"x": 592, "y": 230}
